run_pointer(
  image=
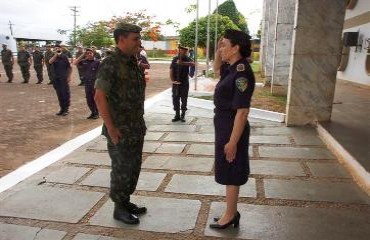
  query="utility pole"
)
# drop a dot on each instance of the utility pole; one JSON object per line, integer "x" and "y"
{"x": 11, "y": 27}
{"x": 75, "y": 11}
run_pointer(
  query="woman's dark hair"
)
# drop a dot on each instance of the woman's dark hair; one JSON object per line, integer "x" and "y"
{"x": 240, "y": 38}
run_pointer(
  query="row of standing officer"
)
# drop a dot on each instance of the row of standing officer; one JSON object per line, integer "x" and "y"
{"x": 24, "y": 60}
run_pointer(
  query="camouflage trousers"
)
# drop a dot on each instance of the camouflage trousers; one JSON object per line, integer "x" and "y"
{"x": 39, "y": 73}
{"x": 126, "y": 159}
{"x": 9, "y": 72}
{"x": 50, "y": 70}
{"x": 25, "y": 69}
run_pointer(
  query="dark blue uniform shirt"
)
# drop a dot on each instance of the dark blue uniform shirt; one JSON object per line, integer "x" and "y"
{"x": 235, "y": 88}
{"x": 89, "y": 69}
{"x": 61, "y": 66}
{"x": 180, "y": 72}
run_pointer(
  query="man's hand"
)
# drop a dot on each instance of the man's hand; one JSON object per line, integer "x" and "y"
{"x": 176, "y": 82}
{"x": 115, "y": 135}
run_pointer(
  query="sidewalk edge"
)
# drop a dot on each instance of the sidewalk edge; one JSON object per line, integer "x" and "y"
{"x": 358, "y": 172}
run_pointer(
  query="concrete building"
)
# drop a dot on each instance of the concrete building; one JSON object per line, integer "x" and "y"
{"x": 304, "y": 44}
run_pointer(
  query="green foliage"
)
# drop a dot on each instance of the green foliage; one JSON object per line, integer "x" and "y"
{"x": 187, "y": 34}
{"x": 96, "y": 34}
{"x": 229, "y": 9}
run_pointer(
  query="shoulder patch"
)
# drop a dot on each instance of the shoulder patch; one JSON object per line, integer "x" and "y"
{"x": 241, "y": 83}
{"x": 240, "y": 67}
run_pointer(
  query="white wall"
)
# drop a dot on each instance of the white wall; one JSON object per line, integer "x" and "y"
{"x": 150, "y": 45}
{"x": 355, "y": 70}
{"x": 12, "y": 45}
{"x": 361, "y": 7}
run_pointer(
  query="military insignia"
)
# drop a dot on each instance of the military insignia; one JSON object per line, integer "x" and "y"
{"x": 242, "y": 83}
{"x": 240, "y": 67}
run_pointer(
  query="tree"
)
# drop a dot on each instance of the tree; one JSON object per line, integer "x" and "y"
{"x": 100, "y": 33}
{"x": 187, "y": 34}
{"x": 229, "y": 9}
{"x": 96, "y": 34}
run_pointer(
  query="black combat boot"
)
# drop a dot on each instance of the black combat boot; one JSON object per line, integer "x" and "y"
{"x": 122, "y": 214}
{"x": 177, "y": 117}
{"x": 182, "y": 117}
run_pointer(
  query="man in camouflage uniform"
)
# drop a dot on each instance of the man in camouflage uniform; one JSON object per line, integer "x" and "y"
{"x": 8, "y": 61}
{"x": 120, "y": 95}
{"x": 49, "y": 67}
{"x": 24, "y": 62}
{"x": 38, "y": 64}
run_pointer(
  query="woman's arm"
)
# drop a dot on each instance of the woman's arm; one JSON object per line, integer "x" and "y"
{"x": 240, "y": 121}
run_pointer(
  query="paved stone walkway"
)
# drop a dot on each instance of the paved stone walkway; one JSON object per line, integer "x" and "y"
{"x": 297, "y": 189}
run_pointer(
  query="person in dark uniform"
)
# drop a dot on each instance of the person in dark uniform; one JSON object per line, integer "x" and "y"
{"x": 143, "y": 63}
{"x": 78, "y": 54}
{"x": 179, "y": 75}
{"x": 8, "y": 61}
{"x": 38, "y": 64}
{"x": 24, "y": 62}
{"x": 232, "y": 100}
{"x": 62, "y": 78}
{"x": 96, "y": 54}
{"x": 120, "y": 96}
{"x": 88, "y": 66}
{"x": 49, "y": 67}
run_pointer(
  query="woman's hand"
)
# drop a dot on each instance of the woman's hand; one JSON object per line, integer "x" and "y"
{"x": 230, "y": 151}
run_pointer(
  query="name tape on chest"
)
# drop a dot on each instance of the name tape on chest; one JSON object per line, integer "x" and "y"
{"x": 241, "y": 84}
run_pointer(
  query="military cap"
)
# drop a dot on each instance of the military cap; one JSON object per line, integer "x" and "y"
{"x": 128, "y": 27}
{"x": 4, "y": 44}
{"x": 183, "y": 48}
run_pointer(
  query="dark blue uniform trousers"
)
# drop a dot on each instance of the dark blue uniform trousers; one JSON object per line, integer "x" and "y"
{"x": 90, "y": 92}
{"x": 180, "y": 91}
{"x": 61, "y": 86}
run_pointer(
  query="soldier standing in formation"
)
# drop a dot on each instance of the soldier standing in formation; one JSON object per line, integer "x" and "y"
{"x": 8, "y": 61}
{"x": 38, "y": 64}
{"x": 78, "y": 54}
{"x": 24, "y": 61}
{"x": 62, "y": 77}
{"x": 49, "y": 67}
{"x": 179, "y": 75}
{"x": 88, "y": 66}
{"x": 120, "y": 95}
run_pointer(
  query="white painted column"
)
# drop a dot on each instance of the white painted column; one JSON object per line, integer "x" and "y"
{"x": 271, "y": 28}
{"x": 264, "y": 37}
{"x": 283, "y": 45}
{"x": 316, "y": 52}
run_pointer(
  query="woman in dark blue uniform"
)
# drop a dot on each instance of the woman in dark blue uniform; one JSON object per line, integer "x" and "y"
{"x": 232, "y": 102}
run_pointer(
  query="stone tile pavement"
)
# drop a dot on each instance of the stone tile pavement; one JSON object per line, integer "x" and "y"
{"x": 297, "y": 189}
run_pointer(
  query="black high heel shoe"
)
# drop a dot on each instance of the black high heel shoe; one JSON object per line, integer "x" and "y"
{"x": 234, "y": 222}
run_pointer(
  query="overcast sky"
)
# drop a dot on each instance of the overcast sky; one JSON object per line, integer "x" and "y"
{"x": 49, "y": 15}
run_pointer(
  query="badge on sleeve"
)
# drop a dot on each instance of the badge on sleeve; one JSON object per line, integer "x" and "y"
{"x": 240, "y": 67}
{"x": 241, "y": 84}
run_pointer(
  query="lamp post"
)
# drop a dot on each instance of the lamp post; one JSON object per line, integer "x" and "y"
{"x": 208, "y": 37}
{"x": 196, "y": 48}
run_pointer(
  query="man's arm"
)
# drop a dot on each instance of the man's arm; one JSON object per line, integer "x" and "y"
{"x": 52, "y": 60}
{"x": 102, "y": 104}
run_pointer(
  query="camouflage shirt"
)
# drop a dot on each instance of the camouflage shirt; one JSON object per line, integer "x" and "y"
{"x": 120, "y": 78}
{"x": 23, "y": 57}
{"x": 6, "y": 57}
{"x": 37, "y": 58}
{"x": 48, "y": 55}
